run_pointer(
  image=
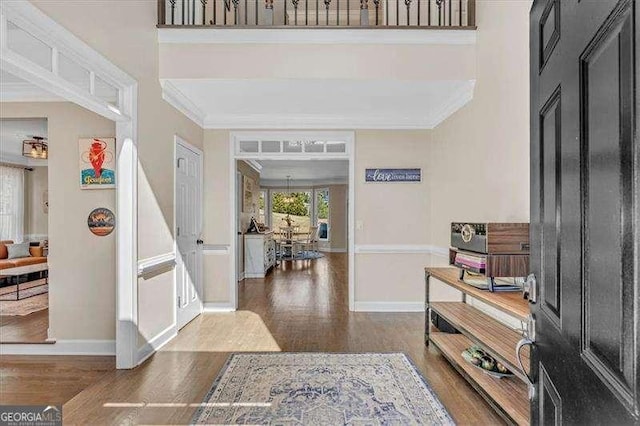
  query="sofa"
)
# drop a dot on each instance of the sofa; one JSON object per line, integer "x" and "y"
{"x": 37, "y": 256}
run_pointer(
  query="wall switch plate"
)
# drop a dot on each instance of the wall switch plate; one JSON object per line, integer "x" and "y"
{"x": 359, "y": 225}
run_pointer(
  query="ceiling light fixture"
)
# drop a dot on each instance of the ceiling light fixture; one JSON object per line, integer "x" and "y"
{"x": 36, "y": 147}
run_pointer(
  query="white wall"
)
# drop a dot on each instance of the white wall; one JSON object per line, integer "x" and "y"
{"x": 82, "y": 270}
{"x": 480, "y": 167}
{"x": 36, "y": 182}
{"x": 125, "y": 33}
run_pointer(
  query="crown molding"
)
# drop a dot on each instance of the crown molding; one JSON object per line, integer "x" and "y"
{"x": 316, "y": 122}
{"x": 179, "y": 101}
{"x": 458, "y": 99}
{"x": 312, "y": 35}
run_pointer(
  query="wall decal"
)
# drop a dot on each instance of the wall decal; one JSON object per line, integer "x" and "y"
{"x": 101, "y": 221}
{"x": 97, "y": 163}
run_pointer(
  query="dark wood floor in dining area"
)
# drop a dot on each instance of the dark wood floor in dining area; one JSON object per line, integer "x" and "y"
{"x": 298, "y": 307}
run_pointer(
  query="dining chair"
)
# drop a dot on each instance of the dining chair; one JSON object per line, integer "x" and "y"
{"x": 286, "y": 242}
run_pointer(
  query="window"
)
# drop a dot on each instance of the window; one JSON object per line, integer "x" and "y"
{"x": 322, "y": 213}
{"x": 11, "y": 203}
{"x": 262, "y": 207}
{"x": 295, "y": 205}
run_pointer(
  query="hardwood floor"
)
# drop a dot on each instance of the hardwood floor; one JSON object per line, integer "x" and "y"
{"x": 296, "y": 308}
{"x": 30, "y": 328}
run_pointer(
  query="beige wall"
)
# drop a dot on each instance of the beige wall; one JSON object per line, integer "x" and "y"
{"x": 36, "y": 182}
{"x": 126, "y": 34}
{"x": 81, "y": 265}
{"x": 480, "y": 167}
{"x": 338, "y": 217}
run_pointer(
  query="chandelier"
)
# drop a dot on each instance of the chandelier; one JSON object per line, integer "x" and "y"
{"x": 288, "y": 199}
{"x": 36, "y": 147}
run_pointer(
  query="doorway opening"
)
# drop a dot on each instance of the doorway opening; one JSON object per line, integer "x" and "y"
{"x": 24, "y": 241}
{"x": 291, "y": 203}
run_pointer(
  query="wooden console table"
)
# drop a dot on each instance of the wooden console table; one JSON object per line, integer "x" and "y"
{"x": 508, "y": 396}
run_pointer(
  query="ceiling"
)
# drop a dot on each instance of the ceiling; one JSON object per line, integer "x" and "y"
{"x": 303, "y": 172}
{"x": 318, "y": 103}
{"x": 13, "y": 132}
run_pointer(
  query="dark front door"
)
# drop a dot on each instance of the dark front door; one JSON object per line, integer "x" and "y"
{"x": 585, "y": 210}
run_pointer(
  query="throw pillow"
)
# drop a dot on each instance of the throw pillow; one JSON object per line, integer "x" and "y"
{"x": 17, "y": 251}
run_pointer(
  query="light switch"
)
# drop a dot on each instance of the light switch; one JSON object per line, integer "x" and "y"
{"x": 359, "y": 225}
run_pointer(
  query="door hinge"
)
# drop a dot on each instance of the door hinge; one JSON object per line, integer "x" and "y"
{"x": 177, "y": 231}
{"x": 178, "y": 301}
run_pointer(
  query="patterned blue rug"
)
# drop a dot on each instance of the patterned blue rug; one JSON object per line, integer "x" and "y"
{"x": 304, "y": 255}
{"x": 321, "y": 389}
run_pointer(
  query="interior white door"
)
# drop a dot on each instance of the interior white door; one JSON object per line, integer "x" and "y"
{"x": 188, "y": 229}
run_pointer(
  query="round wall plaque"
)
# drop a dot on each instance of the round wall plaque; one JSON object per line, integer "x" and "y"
{"x": 101, "y": 221}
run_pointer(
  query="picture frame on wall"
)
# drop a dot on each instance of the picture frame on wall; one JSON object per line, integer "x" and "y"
{"x": 97, "y": 162}
{"x": 248, "y": 187}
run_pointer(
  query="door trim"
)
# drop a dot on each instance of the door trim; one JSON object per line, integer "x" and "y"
{"x": 182, "y": 142}
{"x": 32, "y": 20}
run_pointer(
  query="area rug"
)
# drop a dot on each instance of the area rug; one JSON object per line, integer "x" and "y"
{"x": 305, "y": 255}
{"x": 24, "y": 306}
{"x": 321, "y": 389}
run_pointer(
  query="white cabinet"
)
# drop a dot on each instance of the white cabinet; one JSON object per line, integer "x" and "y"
{"x": 259, "y": 254}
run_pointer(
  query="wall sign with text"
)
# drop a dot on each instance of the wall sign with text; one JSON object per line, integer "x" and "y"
{"x": 393, "y": 175}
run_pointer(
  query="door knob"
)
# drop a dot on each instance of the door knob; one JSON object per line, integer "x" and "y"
{"x": 199, "y": 242}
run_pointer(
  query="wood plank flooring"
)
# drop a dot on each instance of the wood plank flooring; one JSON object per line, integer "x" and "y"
{"x": 296, "y": 308}
{"x": 30, "y": 328}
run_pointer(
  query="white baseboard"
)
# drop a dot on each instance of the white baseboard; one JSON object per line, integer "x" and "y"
{"x": 389, "y": 307}
{"x": 333, "y": 250}
{"x": 213, "y": 307}
{"x": 401, "y": 249}
{"x": 156, "y": 343}
{"x": 62, "y": 347}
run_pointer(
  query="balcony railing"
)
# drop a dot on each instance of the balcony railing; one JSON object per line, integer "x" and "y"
{"x": 438, "y": 14}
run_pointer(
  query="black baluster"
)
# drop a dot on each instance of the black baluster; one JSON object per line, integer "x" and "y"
{"x": 418, "y": 12}
{"x": 348, "y": 14}
{"x": 235, "y": 11}
{"x": 173, "y": 11}
{"x": 226, "y": 7}
{"x": 204, "y": 11}
{"x": 246, "y": 12}
{"x": 408, "y": 4}
{"x": 295, "y": 11}
{"x": 326, "y": 4}
{"x": 268, "y": 5}
{"x": 337, "y": 12}
{"x": 285, "y": 12}
{"x": 450, "y": 12}
{"x": 460, "y": 13}
{"x": 439, "y": 4}
{"x": 193, "y": 12}
{"x": 256, "y": 12}
{"x": 386, "y": 8}
{"x": 306, "y": 12}
{"x": 317, "y": 12}
{"x": 213, "y": 21}
{"x": 183, "y": 11}
{"x": 377, "y": 4}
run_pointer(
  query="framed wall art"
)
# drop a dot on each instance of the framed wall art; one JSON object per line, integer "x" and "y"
{"x": 97, "y": 163}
